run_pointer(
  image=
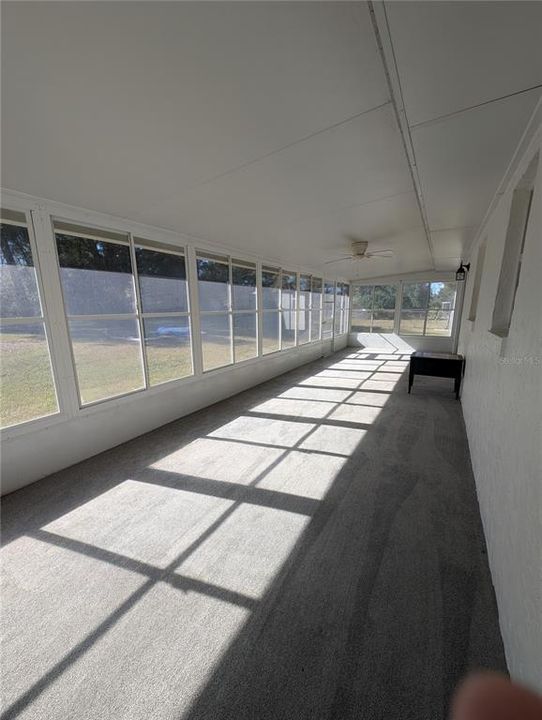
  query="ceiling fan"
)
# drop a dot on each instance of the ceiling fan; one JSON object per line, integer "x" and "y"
{"x": 359, "y": 251}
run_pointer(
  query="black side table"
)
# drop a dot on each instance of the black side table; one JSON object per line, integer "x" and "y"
{"x": 437, "y": 365}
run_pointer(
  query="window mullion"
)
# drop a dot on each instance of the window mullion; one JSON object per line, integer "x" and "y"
{"x": 192, "y": 277}
{"x": 55, "y": 320}
{"x": 427, "y": 308}
{"x": 139, "y": 313}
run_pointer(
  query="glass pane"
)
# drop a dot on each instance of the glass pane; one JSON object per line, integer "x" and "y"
{"x": 289, "y": 280}
{"x": 442, "y": 295}
{"x": 213, "y": 281}
{"x": 303, "y": 326}
{"x": 270, "y": 332}
{"x": 288, "y": 329}
{"x": 244, "y": 288}
{"x": 18, "y": 286}
{"x": 107, "y": 356}
{"x": 439, "y": 322}
{"x": 28, "y": 390}
{"x": 289, "y": 285}
{"x": 96, "y": 276}
{"x": 338, "y": 321}
{"x": 316, "y": 285}
{"x": 361, "y": 320}
{"x": 384, "y": 297}
{"x": 412, "y": 322}
{"x": 383, "y": 321}
{"x": 362, "y": 297}
{"x": 244, "y": 336}
{"x": 304, "y": 313}
{"x": 162, "y": 281}
{"x": 215, "y": 341}
{"x": 415, "y": 295}
{"x": 315, "y": 321}
{"x": 167, "y": 344}
{"x": 270, "y": 289}
{"x": 327, "y": 328}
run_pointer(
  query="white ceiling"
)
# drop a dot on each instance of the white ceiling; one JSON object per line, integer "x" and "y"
{"x": 268, "y": 127}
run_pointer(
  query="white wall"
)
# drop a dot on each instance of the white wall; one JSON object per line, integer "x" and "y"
{"x": 502, "y": 405}
{"x": 390, "y": 342}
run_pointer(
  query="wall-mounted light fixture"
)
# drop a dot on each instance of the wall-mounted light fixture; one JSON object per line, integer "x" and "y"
{"x": 462, "y": 270}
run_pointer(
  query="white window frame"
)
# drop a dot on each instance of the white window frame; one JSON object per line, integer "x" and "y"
{"x": 147, "y": 244}
{"x": 43, "y": 318}
{"x": 230, "y": 261}
{"x": 514, "y": 246}
{"x": 307, "y": 309}
{"x": 249, "y": 265}
{"x": 264, "y": 267}
{"x": 320, "y": 309}
{"x": 398, "y": 298}
{"x": 428, "y": 282}
{"x": 331, "y": 295}
{"x": 293, "y": 310}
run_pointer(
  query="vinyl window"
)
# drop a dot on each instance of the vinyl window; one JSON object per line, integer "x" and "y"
{"x": 373, "y": 308}
{"x": 28, "y": 387}
{"x": 428, "y": 308}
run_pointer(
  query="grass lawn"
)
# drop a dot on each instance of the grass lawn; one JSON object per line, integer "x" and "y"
{"x": 26, "y": 388}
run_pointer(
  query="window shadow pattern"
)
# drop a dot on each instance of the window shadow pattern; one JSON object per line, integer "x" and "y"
{"x": 377, "y": 605}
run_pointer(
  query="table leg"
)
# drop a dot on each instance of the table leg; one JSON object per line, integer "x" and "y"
{"x": 410, "y": 379}
{"x": 457, "y": 385}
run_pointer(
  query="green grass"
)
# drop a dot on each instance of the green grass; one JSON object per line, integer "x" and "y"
{"x": 104, "y": 369}
{"x": 26, "y": 388}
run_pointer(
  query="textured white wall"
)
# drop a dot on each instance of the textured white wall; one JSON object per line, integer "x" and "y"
{"x": 502, "y": 405}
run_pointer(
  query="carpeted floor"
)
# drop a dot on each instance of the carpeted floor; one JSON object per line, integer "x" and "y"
{"x": 310, "y": 549}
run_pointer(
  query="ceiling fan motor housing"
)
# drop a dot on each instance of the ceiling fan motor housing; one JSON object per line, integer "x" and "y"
{"x": 359, "y": 247}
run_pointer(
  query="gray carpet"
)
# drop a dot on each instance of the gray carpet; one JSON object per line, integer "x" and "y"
{"x": 309, "y": 549}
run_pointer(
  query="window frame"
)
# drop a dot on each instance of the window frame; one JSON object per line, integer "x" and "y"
{"x": 426, "y": 309}
{"x": 230, "y": 311}
{"x": 40, "y": 215}
{"x": 319, "y": 279}
{"x": 248, "y": 265}
{"x": 43, "y": 318}
{"x": 132, "y": 241}
{"x": 331, "y": 294}
{"x": 290, "y": 273}
{"x": 268, "y": 268}
{"x": 145, "y": 244}
{"x": 519, "y": 216}
{"x": 398, "y": 300}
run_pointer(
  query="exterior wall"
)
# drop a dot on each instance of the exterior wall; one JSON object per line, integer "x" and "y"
{"x": 502, "y": 406}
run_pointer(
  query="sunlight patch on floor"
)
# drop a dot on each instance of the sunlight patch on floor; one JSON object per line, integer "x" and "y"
{"x": 143, "y": 521}
{"x": 248, "y": 549}
{"x": 220, "y": 460}
{"x": 294, "y": 408}
{"x": 263, "y": 430}
{"x": 330, "y": 438}
{"x": 303, "y": 474}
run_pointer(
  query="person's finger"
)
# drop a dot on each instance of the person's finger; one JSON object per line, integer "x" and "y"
{"x": 493, "y": 697}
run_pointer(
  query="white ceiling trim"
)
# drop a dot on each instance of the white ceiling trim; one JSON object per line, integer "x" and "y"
{"x": 389, "y": 63}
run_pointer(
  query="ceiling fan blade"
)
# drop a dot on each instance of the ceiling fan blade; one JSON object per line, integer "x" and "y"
{"x": 380, "y": 253}
{"x": 346, "y": 257}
